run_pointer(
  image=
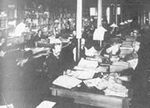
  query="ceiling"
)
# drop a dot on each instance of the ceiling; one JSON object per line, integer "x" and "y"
{"x": 71, "y": 3}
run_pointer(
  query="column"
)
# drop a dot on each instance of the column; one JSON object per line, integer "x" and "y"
{"x": 78, "y": 28}
{"x": 99, "y": 20}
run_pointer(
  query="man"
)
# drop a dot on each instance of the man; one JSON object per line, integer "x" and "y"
{"x": 20, "y": 28}
{"x": 82, "y": 52}
{"x": 142, "y": 73}
{"x": 54, "y": 61}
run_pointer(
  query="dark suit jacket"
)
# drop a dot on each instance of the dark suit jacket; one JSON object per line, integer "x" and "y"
{"x": 54, "y": 66}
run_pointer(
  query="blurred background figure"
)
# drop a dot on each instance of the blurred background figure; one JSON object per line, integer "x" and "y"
{"x": 21, "y": 28}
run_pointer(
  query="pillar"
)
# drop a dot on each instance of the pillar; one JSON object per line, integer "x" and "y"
{"x": 78, "y": 28}
{"x": 99, "y": 20}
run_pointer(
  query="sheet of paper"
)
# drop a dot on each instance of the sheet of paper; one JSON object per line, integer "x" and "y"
{"x": 46, "y": 104}
{"x": 66, "y": 81}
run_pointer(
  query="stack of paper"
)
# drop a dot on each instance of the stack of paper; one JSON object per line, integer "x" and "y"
{"x": 115, "y": 89}
{"x": 92, "y": 82}
{"x": 85, "y": 69}
{"x": 66, "y": 81}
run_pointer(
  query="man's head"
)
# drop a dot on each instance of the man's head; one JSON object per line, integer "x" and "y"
{"x": 57, "y": 47}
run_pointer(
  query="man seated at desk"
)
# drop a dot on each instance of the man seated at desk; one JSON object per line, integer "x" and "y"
{"x": 82, "y": 52}
{"x": 21, "y": 28}
{"x": 54, "y": 61}
{"x": 35, "y": 38}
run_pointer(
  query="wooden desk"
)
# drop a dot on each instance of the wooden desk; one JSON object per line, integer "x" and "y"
{"x": 92, "y": 99}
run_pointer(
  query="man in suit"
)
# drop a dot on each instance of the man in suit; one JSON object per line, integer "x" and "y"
{"x": 54, "y": 61}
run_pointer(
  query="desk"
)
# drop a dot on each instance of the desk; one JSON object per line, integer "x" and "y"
{"x": 92, "y": 99}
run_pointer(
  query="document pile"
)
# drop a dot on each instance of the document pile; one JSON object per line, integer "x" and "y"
{"x": 115, "y": 89}
{"x": 110, "y": 84}
{"x": 84, "y": 70}
{"x": 91, "y": 82}
{"x": 99, "y": 83}
{"x": 66, "y": 81}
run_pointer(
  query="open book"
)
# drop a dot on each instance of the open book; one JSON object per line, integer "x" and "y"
{"x": 66, "y": 81}
{"x": 87, "y": 63}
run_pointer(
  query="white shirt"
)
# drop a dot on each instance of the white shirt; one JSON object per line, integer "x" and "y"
{"x": 90, "y": 52}
{"x": 99, "y": 33}
{"x": 21, "y": 27}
